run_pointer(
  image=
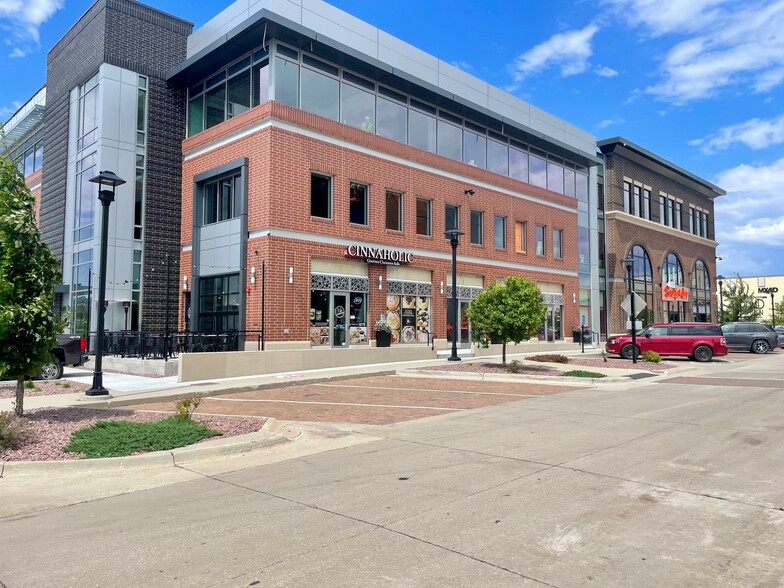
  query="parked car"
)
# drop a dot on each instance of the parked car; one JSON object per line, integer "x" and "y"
{"x": 780, "y": 333}
{"x": 70, "y": 350}
{"x": 700, "y": 341}
{"x": 754, "y": 337}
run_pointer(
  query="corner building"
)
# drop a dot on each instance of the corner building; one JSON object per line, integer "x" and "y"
{"x": 324, "y": 161}
{"x": 663, "y": 217}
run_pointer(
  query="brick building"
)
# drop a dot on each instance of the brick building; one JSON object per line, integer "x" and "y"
{"x": 663, "y": 216}
{"x": 289, "y": 148}
{"x": 338, "y": 170}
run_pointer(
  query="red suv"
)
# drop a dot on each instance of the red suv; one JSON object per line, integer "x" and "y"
{"x": 700, "y": 341}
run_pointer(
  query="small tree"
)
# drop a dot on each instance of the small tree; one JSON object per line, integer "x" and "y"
{"x": 511, "y": 311}
{"x": 28, "y": 274}
{"x": 779, "y": 313}
{"x": 740, "y": 303}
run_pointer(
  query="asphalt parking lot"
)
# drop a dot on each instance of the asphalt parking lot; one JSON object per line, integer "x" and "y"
{"x": 373, "y": 400}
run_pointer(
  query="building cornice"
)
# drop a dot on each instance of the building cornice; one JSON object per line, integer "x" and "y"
{"x": 621, "y": 216}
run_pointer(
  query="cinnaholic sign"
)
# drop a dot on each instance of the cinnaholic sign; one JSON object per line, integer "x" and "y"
{"x": 672, "y": 293}
{"x": 383, "y": 255}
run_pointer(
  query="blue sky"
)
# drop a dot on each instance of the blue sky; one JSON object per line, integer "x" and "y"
{"x": 699, "y": 82}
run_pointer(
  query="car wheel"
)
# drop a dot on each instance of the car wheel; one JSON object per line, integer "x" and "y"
{"x": 760, "y": 346}
{"x": 627, "y": 350}
{"x": 703, "y": 353}
{"x": 52, "y": 371}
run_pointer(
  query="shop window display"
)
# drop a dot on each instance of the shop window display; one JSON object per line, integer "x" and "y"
{"x": 408, "y": 317}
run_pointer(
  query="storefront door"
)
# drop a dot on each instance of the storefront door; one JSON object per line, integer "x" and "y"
{"x": 339, "y": 318}
{"x": 465, "y": 324}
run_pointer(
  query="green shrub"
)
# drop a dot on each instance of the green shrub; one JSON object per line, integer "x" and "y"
{"x": 583, "y": 374}
{"x": 651, "y": 356}
{"x": 514, "y": 366}
{"x": 29, "y": 384}
{"x": 14, "y": 431}
{"x": 550, "y": 358}
{"x": 118, "y": 438}
{"x": 186, "y": 406}
{"x": 66, "y": 385}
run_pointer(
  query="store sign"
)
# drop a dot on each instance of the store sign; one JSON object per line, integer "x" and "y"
{"x": 672, "y": 293}
{"x": 381, "y": 255}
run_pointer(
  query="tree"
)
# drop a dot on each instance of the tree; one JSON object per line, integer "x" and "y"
{"x": 740, "y": 303}
{"x": 509, "y": 312}
{"x": 779, "y": 313}
{"x": 29, "y": 272}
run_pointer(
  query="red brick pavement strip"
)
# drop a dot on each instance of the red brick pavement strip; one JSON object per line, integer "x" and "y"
{"x": 372, "y": 400}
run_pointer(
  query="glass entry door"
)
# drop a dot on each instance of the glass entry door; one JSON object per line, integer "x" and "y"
{"x": 339, "y": 319}
{"x": 465, "y": 325}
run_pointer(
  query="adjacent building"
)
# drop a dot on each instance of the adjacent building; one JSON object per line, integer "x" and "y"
{"x": 765, "y": 289}
{"x": 661, "y": 216}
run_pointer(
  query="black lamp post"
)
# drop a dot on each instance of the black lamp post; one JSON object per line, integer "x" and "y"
{"x": 109, "y": 180}
{"x": 629, "y": 263}
{"x": 454, "y": 235}
{"x": 720, "y": 281}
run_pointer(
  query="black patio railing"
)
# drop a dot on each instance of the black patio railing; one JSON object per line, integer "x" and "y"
{"x": 158, "y": 345}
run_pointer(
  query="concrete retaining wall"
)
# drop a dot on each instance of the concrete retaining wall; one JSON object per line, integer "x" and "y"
{"x": 206, "y": 366}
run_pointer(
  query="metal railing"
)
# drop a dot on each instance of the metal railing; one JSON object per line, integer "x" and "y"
{"x": 158, "y": 345}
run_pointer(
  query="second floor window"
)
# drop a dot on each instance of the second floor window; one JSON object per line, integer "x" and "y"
{"x": 423, "y": 210}
{"x": 320, "y": 196}
{"x": 476, "y": 227}
{"x": 358, "y": 203}
{"x": 499, "y": 232}
{"x": 452, "y": 218}
{"x": 221, "y": 200}
{"x": 520, "y": 241}
{"x": 394, "y": 211}
{"x": 558, "y": 243}
{"x": 540, "y": 244}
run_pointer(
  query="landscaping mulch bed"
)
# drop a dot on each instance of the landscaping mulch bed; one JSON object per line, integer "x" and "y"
{"x": 42, "y": 388}
{"x": 478, "y": 367}
{"x": 533, "y": 368}
{"x": 51, "y": 429}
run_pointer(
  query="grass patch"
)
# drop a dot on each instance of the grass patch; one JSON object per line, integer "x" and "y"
{"x": 583, "y": 374}
{"x": 119, "y": 438}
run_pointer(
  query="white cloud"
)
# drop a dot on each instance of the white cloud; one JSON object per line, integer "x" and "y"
{"x": 609, "y": 122}
{"x": 17, "y": 52}
{"x": 569, "y": 51}
{"x": 743, "y": 47}
{"x": 26, "y": 16}
{"x": 667, "y": 16}
{"x": 754, "y": 133}
{"x": 606, "y": 72}
{"x": 7, "y": 111}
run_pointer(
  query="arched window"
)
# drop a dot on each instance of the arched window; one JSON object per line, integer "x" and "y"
{"x": 672, "y": 275}
{"x": 642, "y": 282}
{"x": 700, "y": 291}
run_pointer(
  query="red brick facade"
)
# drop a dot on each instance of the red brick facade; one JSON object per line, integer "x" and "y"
{"x": 281, "y": 157}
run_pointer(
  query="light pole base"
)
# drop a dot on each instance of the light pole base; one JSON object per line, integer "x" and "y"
{"x": 97, "y": 392}
{"x": 453, "y": 358}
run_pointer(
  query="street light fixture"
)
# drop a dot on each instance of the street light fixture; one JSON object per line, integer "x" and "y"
{"x": 105, "y": 179}
{"x": 629, "y": 263}
{"x": 453, "y": 235}
{"x": 720, "y": 281}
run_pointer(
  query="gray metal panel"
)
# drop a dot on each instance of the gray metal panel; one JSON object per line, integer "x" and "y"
{"x": 339, "y": 26}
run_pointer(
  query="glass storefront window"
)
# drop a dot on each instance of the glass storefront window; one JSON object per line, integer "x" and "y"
{"x": 239, "y": 94}
{"x": 498, "y": 158}
{"x": 537, "y": 171}
{"x": 358, "y": 108}
{"x": 421, "y": 131}
{"x": 450, "y": 140}
{"x": 320, "y": 94}
{"x": 319, "y": 317}
{"x": 409, "y": 318}
{"x": 555, "y": 177}
{"x": 518, "y": 164}
{"x": 287, "y": 82}
{"x": 474, "y": 149}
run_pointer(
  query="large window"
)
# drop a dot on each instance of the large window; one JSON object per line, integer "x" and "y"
{"x": 499, "y": 232}
{"x": 221, "y": 199}
{"x": 320, "y": 89}
{"x": 423, "y": 216}
{"x": 320, "y": 196}
{"x": 85, "y": 199}
{"x": 477, "y": 218}
{"x": 672, "y": 274}
{"x": 358, "y": 203}
{"x": 537, "y": 171}
{"x": 642, "y": 282}
{"x": 452, "y": 217}
{"x": 357, "y": 106}
{"x": 88, "y": 113}
{"x": 219, "y": 303}
{"x": 540, "y": 242}
{"x": 450, "y": 139}
{"x": 392, "y": 116}
{"x": 474, "y": 149}
{"x": 81, "y": 283}
{"x": 700, "y": 285}
{"x": 394, "y": 211}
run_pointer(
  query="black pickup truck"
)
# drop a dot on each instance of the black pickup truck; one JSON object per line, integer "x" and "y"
{"x": 70, "y": 350}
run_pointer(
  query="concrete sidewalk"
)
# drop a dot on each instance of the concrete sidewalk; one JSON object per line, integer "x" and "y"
{"x": 126, "y": 389}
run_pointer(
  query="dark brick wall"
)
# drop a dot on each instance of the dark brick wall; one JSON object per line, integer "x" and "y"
{"x": 135, "y": 37}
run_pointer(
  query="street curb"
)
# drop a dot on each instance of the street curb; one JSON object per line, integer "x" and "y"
{"x": 175, "y": 394}
{"x": 271, "y": 433}
{"x": 522, "y": 378}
